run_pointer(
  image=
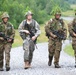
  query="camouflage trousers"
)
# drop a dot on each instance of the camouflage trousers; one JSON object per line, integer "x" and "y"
{"x": 28, "y": 47}
{"x": 74, "y": 46}
{"x": 54, "y": 48}
{"x": 5, "y": 48}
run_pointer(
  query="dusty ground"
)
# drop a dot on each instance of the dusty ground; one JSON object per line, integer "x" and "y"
{"x": 39, "y": 64}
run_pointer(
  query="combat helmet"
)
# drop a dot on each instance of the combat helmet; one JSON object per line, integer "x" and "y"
{"x": 4, "y": 15}
{"x": 28, "y": 13}
{"x": 58, "y": 13}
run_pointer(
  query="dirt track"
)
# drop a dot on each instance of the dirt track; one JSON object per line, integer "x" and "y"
{"x": 39, "y": 64}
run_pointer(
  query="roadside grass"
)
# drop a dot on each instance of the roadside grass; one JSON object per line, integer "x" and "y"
{"x": 70, "y": 12}
{"x": 69, "y": 50}
{"x": 73, "y": 6}
{"x": 42, "y": 38}
{"x": 18, "y": 41}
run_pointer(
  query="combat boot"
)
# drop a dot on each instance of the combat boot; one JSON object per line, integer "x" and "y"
{"x": 57, "y": 66}
{"x": 50, "y": 60}
{"x": 1, "y": 69}
{"x": 27, "y": 65}
{"x": 75, "y": 64}
{"x": 7, "y": 68}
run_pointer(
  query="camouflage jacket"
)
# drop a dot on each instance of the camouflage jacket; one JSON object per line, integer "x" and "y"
{"x": 34, "y": 27}
{"x": 7, "y": 29}
{"x": 57, "y": 25}
{"x": 72, "y": 27}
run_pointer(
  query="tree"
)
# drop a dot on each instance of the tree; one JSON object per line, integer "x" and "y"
{"x": 40, "y": 8}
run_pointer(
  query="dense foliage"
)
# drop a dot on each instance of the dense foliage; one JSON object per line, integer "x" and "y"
{"x": 42, "y": 9}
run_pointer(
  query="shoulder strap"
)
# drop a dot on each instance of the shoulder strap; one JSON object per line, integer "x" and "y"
{"x": 34, "y": 23}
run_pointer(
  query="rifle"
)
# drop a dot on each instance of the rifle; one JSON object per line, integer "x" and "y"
{"x": 60, "y": 35}
{"x": 31, "y": 32}
{"x": 6, "y": 37}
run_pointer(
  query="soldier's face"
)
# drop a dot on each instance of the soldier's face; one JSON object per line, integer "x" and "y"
{"x": 5, "y": 20}
{"x": 29, "y": 17}
{"x": 57, "y": 16}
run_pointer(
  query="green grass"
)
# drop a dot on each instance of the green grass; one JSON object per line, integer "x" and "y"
{"x": 18, "y": 41}
{"x": 69, "y": 50}
{"x": 70, "y": 12}
{"x": 73, "y": 6}
{"x": 42, "y": 38}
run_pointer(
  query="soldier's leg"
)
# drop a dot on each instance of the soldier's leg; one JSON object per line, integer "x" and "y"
{"x": 75, "y": 57}
{"x": 7, "y": 55}
{"x": 1, "y": 58}
{"x": 26, "y": 50}
{"x": 51, "y": 50}
{"x": 74, "y": 47}
{"x": 31, "y": 48}
{"x": 30, "y": 57}
{"x": 57, "y": 54}
{"x": 26, "y": 53}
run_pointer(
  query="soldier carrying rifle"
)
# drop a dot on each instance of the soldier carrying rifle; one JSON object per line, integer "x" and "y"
{"x": 7, "y": 34}
{"x": 29, "y": 31}
{"x": 56, "y": 32}
{"x": 72, "y": 31}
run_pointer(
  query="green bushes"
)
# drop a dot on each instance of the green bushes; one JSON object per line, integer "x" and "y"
{"x": 40, "y": 8}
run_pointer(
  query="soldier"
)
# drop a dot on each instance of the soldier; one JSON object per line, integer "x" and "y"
{"x": 72, "y": 31}
{"x": 29, "y": 31}
{"x": 6, "y": 39}
{"x": 55, "y": 43}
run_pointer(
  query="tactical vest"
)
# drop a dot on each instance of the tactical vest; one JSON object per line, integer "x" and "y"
{"x": 7, "y": 29}
{"x": 30, "y": 27}
{"x": 56, "y": 24}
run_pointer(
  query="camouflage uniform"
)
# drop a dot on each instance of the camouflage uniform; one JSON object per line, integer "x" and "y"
{"x": 55, "y": 44}
{"x": 28, "y": 44}
{"x": 72, "y": 26}
{"x": 5, "y": 46}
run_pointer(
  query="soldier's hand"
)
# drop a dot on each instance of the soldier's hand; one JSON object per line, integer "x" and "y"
{"x": 27, "y": 32}
{"x": 74, "y": 34}
{"x": 1, "y": 38}
{"x": 54, "y": 36}
{"x": 34, "y": 37}
{"x": 9, "y": 40}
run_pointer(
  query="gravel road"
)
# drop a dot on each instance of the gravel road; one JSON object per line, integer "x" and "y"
{"x": 39, "y": 64}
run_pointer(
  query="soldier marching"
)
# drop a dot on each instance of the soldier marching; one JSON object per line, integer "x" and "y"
{"x": 29, "y": 30}
{"x": 7, "y": 34}
{"x": 72, "y": 31}
{"x": 55, "y": 43}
